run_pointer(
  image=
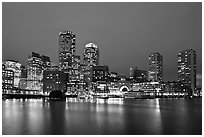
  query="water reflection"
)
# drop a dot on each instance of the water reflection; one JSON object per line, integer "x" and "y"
{"x": 98, "y": 116}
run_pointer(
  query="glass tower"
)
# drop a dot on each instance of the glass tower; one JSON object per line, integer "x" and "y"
{"x": 187, "y": 68}
{"x": 66, "y": 50}
{"x": 155, "y": 72}
{"x": 91, "y": 58}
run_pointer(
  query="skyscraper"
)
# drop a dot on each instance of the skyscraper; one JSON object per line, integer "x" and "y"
{"x": 34, "y": 70}
{"x": 155, "y": 72}
{"x": 91, "y": 58}
{"x": 36, "y": 65}
{"x": 187, "y": 68}
{"x": 66, "y": 50}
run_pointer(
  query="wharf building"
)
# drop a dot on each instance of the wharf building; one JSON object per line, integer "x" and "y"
{"x": 187, "y": 68}
{"x": 54, "y": 79}
{"x": 7, "y": 80}
{"x": 174, "y": 88}
{"x": 155, "y": 68}
{"x": 99, "y": 79}
{"x": 36, "y": 65}
{"x": 15, "y": 66}
{"x": 90, "y": 59}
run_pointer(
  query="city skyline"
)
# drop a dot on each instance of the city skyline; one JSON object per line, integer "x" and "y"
{"x": 186, "y": 32}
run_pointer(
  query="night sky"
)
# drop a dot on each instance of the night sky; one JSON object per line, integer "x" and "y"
{"x": 126, "y": 33}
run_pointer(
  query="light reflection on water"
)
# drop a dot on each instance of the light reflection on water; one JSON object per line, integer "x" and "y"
{"x": 99, "y": 116}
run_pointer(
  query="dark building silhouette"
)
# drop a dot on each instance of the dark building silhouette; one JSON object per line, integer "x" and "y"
{"x": 187, "y": 68}
{"x": 155, "y": 72}
{"x": 54, "y": 79}
{"x": 23, "y": 72}
{"x": 140, "y": 75}
{"x": 99, "y": 73}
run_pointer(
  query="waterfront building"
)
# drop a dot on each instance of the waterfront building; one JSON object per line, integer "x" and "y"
{"x": 66, "y": 51}
{"x": 113, "y": 77}
{"x": 99, "y": 78}
{"x": 54, "y": 79}
{"x": 36, "y": 65}
{"x": 155, "y": 72}
{"x": 99, "y": 73}
{"x": 187, "y": 68}
{"x": 90, "y": 59}
{"x": 175, "y": 88}
{"x": 150, "y": 87}
{"x": 15, "y": 66}
{"x": 7, "y": 79}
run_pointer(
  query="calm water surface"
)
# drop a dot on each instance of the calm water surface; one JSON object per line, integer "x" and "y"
{"x": 102, "y": 117}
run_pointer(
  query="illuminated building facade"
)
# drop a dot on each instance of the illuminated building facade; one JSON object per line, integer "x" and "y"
{"x": 7, "y": 80}
{"x": 187, "y": 68}
{"x": 45, "y": 62}
{"x": 66, "y": 51}
{"x": 75, "y": 72}
{"x": 36, "y": 65}
{"x": 175, "y": 88}
{"x": 155, "y": 72}
{"x": 15, "y": 66}
{"x": 149, "y": 87}
{"x": 54, "y": 79}
{"x": 91, "y": 58}
{"x": 76, "y": 79}
{"x": 99, "y": 78}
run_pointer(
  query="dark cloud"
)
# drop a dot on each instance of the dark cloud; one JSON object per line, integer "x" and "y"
{"x": 126, "y": 33}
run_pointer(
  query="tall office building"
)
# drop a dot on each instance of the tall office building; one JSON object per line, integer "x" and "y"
{"x": 187, "y": 68}
{"x": 91, "y": 58}
{"x": 155, "y": 72}
{"x": 66, "y": 51}
{"x": 75, "y": 72}
{"x": 36, "y": 65}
